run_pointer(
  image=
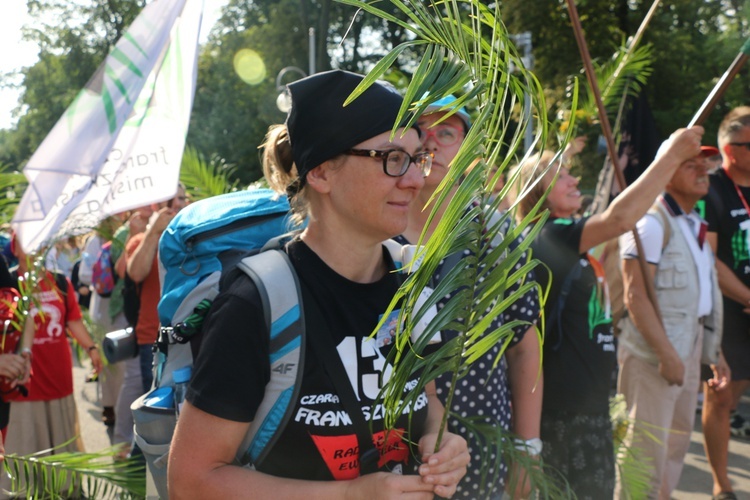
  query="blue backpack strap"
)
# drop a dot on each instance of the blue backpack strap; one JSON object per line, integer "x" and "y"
{"x": 280, "y": 293}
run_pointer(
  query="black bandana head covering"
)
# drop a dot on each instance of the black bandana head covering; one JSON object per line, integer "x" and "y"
{"x": 321, "y": 127}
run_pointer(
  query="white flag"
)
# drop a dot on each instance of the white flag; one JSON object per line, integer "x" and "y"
{"x": 119, "y": 145}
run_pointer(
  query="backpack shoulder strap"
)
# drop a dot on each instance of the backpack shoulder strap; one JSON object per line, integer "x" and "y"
{"x": 555, "y": 316}
{"x": 396, "y": 250}
{"x": 275, "y": 279}
{"x": 661, "y": 215}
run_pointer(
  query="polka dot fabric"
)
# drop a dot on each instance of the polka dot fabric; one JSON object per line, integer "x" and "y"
{"x": 484, "y": 392}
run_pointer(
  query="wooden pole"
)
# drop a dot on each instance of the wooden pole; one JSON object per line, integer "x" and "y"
{"x": 721, "y": 86}
{"x": 611, "y": 148}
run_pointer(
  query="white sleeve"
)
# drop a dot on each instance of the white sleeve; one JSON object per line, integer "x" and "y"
{"x": 652, "y": 237}
{"x": 88, "y": 258}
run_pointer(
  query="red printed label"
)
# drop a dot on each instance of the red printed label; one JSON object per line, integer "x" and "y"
{"x": 341, "y": 453}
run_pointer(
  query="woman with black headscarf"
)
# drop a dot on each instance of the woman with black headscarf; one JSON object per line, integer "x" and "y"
{"x": 354, "y": 184}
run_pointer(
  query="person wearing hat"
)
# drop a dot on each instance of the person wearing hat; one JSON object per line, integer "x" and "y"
{"x": 354, "y": 183}
{"x": 579, "y": 346}
{"x": 509, "y": 397}
{"x": 660, "y": 360}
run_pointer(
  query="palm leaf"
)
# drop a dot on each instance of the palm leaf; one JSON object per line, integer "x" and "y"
{"x": 622, "y": 76}
{"x": 75, "y": 474}
{"x": 205, "y": 179}
{"x": 468, "y": 52}
{"x": 634, "y": 468}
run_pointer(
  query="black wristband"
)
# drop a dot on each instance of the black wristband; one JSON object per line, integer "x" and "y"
{"x": 92, "y": 348}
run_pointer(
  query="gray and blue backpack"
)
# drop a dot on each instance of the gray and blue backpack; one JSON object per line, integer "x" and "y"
{"x": 244, "y": 229}
{"x": 201, "y": 242}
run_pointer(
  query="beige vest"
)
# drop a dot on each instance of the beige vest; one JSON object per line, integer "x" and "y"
{"x": 677, "y": 290}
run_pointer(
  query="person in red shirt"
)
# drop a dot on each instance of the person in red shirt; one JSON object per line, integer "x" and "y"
{"x": 47, "y": 416}
{"x": 14, "y": 368}
{"x": 143, "y": 268}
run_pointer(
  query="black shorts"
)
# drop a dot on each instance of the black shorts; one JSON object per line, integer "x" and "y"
{"x": 735, "y": 341}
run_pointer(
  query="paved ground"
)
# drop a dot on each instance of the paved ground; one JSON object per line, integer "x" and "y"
{"x": 695, "y": 484}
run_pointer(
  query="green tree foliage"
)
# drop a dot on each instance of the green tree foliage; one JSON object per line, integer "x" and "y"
{"x": 693, "y": 43}
{"x": 230, "y": 117}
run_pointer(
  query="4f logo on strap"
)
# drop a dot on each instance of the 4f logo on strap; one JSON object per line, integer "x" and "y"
{"x": 284, "y": 368}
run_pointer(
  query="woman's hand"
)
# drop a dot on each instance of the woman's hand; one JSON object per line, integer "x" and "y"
{"x": 96, "y": 359}
{"x": 14, "y": 368}
{"x": 386, "y": 486}
{"x": 445, "y": 468}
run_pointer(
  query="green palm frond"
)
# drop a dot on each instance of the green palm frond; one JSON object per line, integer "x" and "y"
{"x": 75, "y": 475}
{"x": 622, "y": 76}
{"x": 633, "y": 467}
{"x": 12, "y": 185}
{"x": 636, "y": 68}
{"x": 499, "y": 447}
{"x": 204, "y": 179}
{"x": 469, "y": 53}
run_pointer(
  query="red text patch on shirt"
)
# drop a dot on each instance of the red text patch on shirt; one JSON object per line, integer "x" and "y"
{"x": 341, "y": 453}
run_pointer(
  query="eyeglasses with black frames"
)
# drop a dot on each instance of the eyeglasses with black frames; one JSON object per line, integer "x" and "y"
{"x": 745, "y": 144}
{"x": 396, "y": 162}
{"x": 445, "y": 135}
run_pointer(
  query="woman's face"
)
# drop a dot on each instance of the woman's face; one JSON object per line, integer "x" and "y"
{"x": 443, "y": 154}
{"x": 368, "y": 200}
{"x": 564, "y": 199}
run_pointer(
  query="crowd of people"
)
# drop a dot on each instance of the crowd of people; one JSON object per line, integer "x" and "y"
{"x": 353, "y": 183}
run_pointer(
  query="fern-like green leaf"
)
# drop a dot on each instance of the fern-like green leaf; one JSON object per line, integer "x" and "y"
{"x": 205, "y": 179}
{"x": 75, "y": 475}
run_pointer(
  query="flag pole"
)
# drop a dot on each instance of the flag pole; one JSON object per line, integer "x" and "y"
{"x": 636, "y": 38}
{"x": 722, "y": 85}
{"x": 604, "y": 184}
{"x": 611, "y": 148}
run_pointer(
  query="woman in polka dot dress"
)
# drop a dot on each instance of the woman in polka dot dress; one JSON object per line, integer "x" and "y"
{"x": 485, "y": 392}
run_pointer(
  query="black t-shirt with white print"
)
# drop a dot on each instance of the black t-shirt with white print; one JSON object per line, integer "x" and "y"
{"x": 319, "y": 443}
{"x": 579, "y": 365}
{"x": 731, "y": 223}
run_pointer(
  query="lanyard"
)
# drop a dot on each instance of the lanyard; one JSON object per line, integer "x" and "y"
{"x": 739, "y": 192}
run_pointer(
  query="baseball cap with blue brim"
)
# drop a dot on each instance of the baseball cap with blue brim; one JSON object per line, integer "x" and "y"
{"x": 448, "y": 103}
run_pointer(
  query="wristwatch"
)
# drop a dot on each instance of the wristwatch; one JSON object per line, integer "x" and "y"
{"x": 531, "y": 446}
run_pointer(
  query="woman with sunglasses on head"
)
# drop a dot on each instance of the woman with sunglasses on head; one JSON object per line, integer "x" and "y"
{"x": 490, "y": 389}
{"x": 579, "y": 345}
{"x": 354, "y": 184}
